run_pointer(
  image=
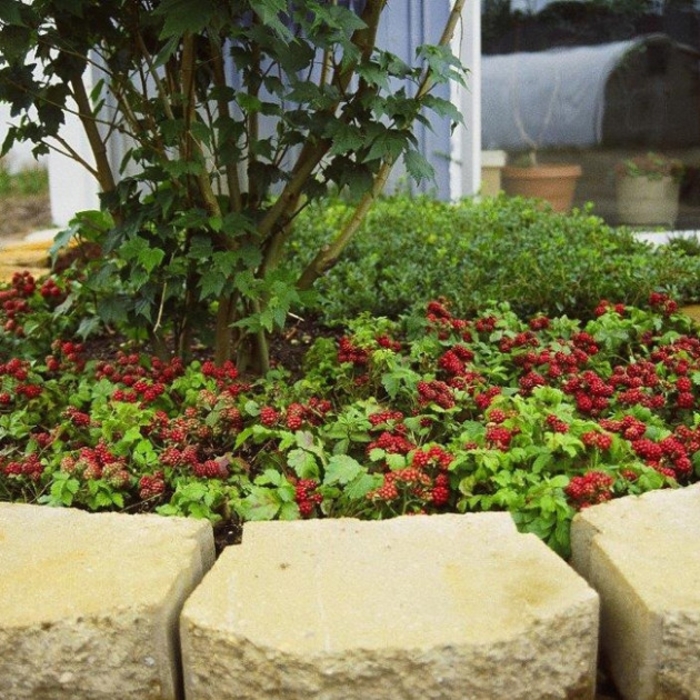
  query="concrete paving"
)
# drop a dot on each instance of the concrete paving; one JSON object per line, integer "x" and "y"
{"x": 449, "y": 607}
{"x": 89, "y": 603}
{"x": 642, "y": 556}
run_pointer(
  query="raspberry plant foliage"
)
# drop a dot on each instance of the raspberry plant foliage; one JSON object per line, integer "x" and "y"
{"x": 539, "y": 416}
{"x": 236, "y": 115}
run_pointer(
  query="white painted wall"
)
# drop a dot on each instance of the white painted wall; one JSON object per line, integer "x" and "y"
{"x": 465, "y": 162}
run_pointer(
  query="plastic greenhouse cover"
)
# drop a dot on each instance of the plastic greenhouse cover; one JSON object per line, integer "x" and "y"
{"x": 549, "y": 98}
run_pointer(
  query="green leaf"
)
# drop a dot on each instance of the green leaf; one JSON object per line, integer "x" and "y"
{"x": 418, "y": 166}
{"x": 269, "y": 12}
{"x": 261, "y": 504}
{"x": 304, "y": 464}
{"x": 362, "y": 485}
{"x": 183, "y": 16}
{"x": 10, "y": 11}
{"x": 150, "y": 258}
{"x": 342, "y": 469}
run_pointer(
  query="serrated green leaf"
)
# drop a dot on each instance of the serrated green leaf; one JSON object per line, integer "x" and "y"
{"x": 342, "y": 469}
{"x": 183, "y": 16}
{"x": 418, "y": 166}
{"x": 362, "y": 485}
{"x": 211, "y": 285}
{"x": 150, "y": 258}
{"x": 261, "y": 504}
{"x": 304, "y": 464}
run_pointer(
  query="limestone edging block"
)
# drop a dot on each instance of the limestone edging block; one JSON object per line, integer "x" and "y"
{"x": 89, "y": 603}
{"x": 448, "y": 606}
{"x": 641, "y": 554}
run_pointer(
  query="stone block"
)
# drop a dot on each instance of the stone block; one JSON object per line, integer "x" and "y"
{"x": 456, "y": 607}
{"x": 641, "y": 554}
{"x": 89, "y": 603}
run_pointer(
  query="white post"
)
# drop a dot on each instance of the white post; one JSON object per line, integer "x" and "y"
{"x": 465, "y": 168}
{"x": 71, "y": 187}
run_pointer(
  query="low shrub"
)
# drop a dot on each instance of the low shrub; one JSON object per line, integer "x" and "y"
{"x": 500, "y": 249}
{"x": 538, "y": 416}
{"x": 27, "y": 181}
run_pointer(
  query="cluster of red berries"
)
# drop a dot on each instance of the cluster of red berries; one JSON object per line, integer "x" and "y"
{"x": 485, "y": 324}
{"x": 519, "y": 340}
{"x": 19, "y": 372}
{"x": 414, "y": 483}
{"x": 28, "y": 466}
{"x": 497, "y": 416}
{"x": 556, "y": 424}
{"x": 388, "y": 343}
{"x": 392, "y": 442}
{"x": 529, "y": 381}
{"x": 225, "y": 376}
{"x": 662, "y": 302}
{"x": 91, "y": 463}
{"x": 176, "y": 457}
{"x": 151, "y": 485}
{"x": 605, "y": 306}
{"x": 435, "y": 391}
{"x": 349, "y": 352}
{"x": 385, "y": 417}
{"x": 669, "y": 456}
{"x": 210, "y": 469}
{"x": 434, "y": 456}
{"x": 66, "y": 356}
{"x": 486, "y": 397}
{"x": 76, "y": 417}
{"x": 629, "y": 427}
{"x": 14, "y": 301}
{"x": 591, "y": 488}
{"x": 591, "y": 392}
{"x": 455, "y": 360}
{"x": 539, "y": 323}
{"x": 499, "y": 438}
{"x": 15, "y": 368}
{"x": 129, "y": 368}
{"x": 408, "y": 481}
{"x": 307, "y": 496}
{"x": 592, "y": 438}
{"x": 311, "y": 413}
{"x": 50, "y": 291}
{"x": 441, "y": 320}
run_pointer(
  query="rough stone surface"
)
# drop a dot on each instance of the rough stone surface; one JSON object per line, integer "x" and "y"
{"x": 89, "y": 603}
{"x": 642, "y": 556}
{"x": 443, "y": 607}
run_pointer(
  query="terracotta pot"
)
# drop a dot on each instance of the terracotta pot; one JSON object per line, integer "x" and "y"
{"x": 641, "y": 201}
{"x": 550, "y": 181}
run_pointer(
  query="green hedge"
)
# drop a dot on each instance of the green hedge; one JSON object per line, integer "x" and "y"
{"x": 501, "y": 249}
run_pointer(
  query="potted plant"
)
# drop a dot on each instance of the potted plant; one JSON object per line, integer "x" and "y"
{"x": 528, "y": 177}
{"x": 552, "y": 182}
{"x": 647, "y": 189}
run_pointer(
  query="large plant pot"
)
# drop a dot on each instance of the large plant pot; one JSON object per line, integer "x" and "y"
{"x": 552, "y": 182}
{"x": 645, "y": 202}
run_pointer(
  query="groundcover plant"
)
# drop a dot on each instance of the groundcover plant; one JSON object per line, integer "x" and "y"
{"x": 540, "y": 416}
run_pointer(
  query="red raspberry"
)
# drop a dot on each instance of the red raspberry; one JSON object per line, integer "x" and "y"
{"x": 497, "y": 415}
{"x": 685, "y": 400}
{"x": 440, "y": 495}
{"x": 269, "y": 416}
{"x": 295, "y": 416}
{"x": 684, "y": 384}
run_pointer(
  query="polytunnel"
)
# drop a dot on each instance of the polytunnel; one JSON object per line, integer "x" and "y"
{"x": 644, "y": 92}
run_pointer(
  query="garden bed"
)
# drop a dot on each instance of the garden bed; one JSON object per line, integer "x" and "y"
{"x": 540, "y": 417}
